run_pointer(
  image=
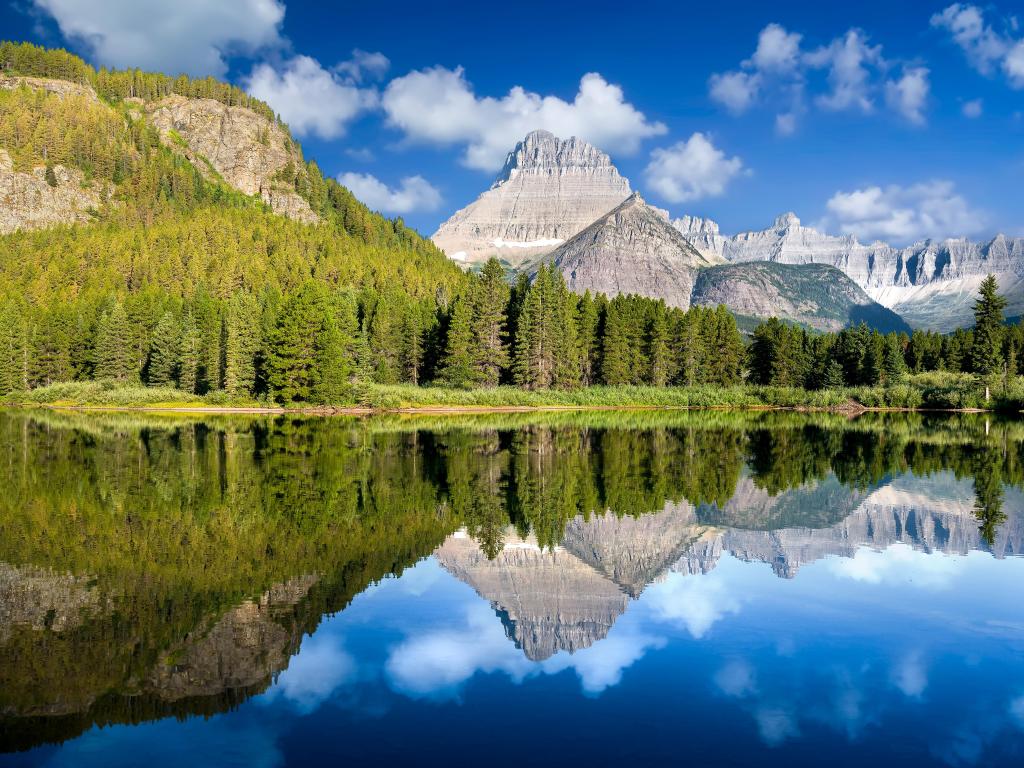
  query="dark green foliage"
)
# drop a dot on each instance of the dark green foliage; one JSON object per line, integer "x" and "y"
{"x": 164, "y": 353}
{"x": 457, "y": 369}
{"x": 113, "y": 351}
{"x": 986, "y": 352}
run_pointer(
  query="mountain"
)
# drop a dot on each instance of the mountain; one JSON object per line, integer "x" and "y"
{"x": 548, "y": 190}
{"x": 815, "y": 295}
{"x": 930, "y": 284}
{"x": 632, "y": 249}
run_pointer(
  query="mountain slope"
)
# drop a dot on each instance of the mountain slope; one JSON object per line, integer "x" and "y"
{"x": 549, "y": 189}
{"x": 632, "y": 249}
{"x": 814, "y": 295}
{"x": 930, "y": 284}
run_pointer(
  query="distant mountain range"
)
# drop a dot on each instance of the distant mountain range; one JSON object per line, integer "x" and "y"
{"x": 563, "y": 201}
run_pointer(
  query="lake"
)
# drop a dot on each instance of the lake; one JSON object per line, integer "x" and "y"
{"x": 701, "y": 588}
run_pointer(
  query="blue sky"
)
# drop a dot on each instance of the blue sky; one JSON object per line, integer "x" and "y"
{"x": 881, "y": 119}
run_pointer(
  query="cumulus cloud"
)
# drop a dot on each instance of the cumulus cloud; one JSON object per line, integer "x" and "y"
{"x": 909, "y": 95}
{"x": 737, "y": 91}
{"x": 695, "y": 602}
{"x": 899, "y": 563}
{"x": 985, "y": 47}
{"x": 856, "y": 73}
{"x": 1017, "y": 710}
{"x": 414, "y": 193}
{"x": 972, "y": 109}
{"x": 438, "y": 106}
{"x": 320, "y": 668}
{"x": 736, "y": 679}
{"x": 312, "y": 100}
{"x": 365, "y": 65}
{"x": 691, "y": 170}
{"x": 910, "y": 676}
{"x": 775, "y": 725}
{"x": 601, "y": 665}
{"x": 190, "y": 36}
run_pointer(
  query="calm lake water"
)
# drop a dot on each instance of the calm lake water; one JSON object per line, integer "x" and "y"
{"x": 603, "y": 589}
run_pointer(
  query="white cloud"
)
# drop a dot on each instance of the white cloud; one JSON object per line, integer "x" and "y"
{"x": 1013, "y": 65}
{"x": 908, "y": 95}
{"x": 310, "y": 99}
{"x": 320, "y": 668}
{"x": 777, "y": 50}
{"x": 972, "y": 109}
{"x": 1017, "y": 710}
{"x": 691, "y": 170}
{"x": 985, "y": 47}
{"x": 910, "y": 676}
{"x": 736, "y": 679}
{"x": 365, "y": 64}
{"x": 775, "y": 725}
{"x": 190, "y": 36}
{"x": 778, "y": 74}
{"x": 601, "y": 665}
{"x": 413, "y": 194}
{"x": 695, "y": 602}
{"x": 737, "y": 91}
{"x": 438, "y": 106}
{"x": 899, "y": 563}
{"x": 785, "y": 124}
{"x": 436, "y": 664}
{"x": 847, "y": 59}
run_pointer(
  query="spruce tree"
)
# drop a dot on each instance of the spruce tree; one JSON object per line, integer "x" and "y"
{"x": 241, "y": 344}
{"x": 164, "y": 352}
{"x": 657, "y": 349}
{"x": 189, "y": 350}
{"x": 490, "y": 305}
{"x": 986, "y": 357}
{"x": 457, "y": 369}
{"x": 615, "y": 365}
{"x": 587, "y": 323}
{"x": 114, "y": 359}
{"x": 293, "y": 366}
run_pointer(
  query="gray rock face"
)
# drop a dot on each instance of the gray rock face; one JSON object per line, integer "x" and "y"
{"x": 57, "y": 87}
{"x": 548, "y": 600}
{"x": 931, "y": 284}
{"x": 39, "y": 598}
{"x": 27, "y": 201}
{"x": 243, "y": 148}
{"x": 632, "y": 249}
{"x": 549, "y": 190}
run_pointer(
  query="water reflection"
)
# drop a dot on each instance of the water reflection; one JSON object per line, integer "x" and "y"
{"x": 163, "y": 566}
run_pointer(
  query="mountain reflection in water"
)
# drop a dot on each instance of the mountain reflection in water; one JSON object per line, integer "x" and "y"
{"x": 158, "y": 566}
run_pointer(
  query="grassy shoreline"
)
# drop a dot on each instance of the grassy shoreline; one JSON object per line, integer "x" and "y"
{"x": 921, "y": 392}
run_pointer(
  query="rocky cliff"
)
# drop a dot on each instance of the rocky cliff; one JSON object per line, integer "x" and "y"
{"x": 815, "y": 295}
{"x": 242, "y": 148}
{"x": 29, "y": 201}
{"x": 632, "y": 249}
{"x": 930, "y": 284}
{"x": 548, "y": 600}
{"x": 549, "y": 189}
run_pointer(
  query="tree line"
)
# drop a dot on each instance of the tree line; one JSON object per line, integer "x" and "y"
{"x": 786, "y": 355}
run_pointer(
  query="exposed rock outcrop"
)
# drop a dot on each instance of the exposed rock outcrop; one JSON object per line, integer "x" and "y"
{"x": 549, "y": 189}
{"x": 243, "y": 148}
{"x": 814, "y": 295}
{"x": 39, "y": 598}
{"x": 930, "y": 284}
{"x": 548, "y": 600}
{"x": 632, "y": 249}
{"x": 57, "y": 87}
{"x": 29, "y": 201}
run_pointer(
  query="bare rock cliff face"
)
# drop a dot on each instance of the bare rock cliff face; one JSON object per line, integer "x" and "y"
{"x": 243, "y": 148}
{"x": 548, "y": 600}
{"x": 932, "y": 284}
{"x": 28, "y": 201}
{"x": 632, "y": 249}
{"x": 39, "y": 598}
{"x": 57, "y": 87}
{"x": 549, "y": 190}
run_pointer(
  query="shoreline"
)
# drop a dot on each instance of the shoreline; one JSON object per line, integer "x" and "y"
{"x": 850, "y": 409}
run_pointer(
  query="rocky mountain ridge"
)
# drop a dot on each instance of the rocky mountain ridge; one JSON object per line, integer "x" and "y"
{"x": 932, "y": 284}
{"x": 548, "y": 190}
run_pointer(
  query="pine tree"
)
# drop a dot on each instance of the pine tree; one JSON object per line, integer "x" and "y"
{"x": 241, "y": 344}
{"x": 457, "y": 368}
{"x": 189, "y": 349}
{"x": 113, "y": 345}
{"x": 413, "y": 332}
{"x": 164, "y": 352}
{"x": 893, "y": 364}
{"x": 490, "y": 304}
{"x": 657, "y": 349}
{"x": 616, "y": 357}
{"x": 988, "y": 330}
{"x": 588, "y": 320}
{"x": 561, "y": 319}
{"x": 294, "y": 370}
{"x": 333, "y": 360}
